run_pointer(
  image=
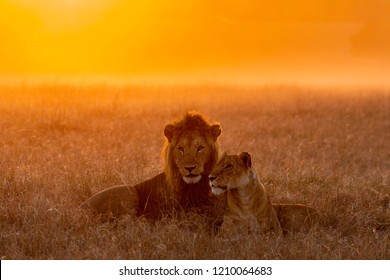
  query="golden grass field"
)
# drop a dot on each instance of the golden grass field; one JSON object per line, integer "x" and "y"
{"x": 59, "y": 144}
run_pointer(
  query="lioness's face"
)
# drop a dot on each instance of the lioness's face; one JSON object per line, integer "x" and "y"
{"x": 191, "y": 154}
{"x": 231, "y": 172}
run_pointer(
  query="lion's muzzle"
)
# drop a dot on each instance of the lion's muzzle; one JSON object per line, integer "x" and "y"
{"x": 192, "y": 178}
{"x": 217, "y": 190}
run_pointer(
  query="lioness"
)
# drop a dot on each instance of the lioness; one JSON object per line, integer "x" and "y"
{"x": 248, "y": 203}
{"x": 190, "y": 153}
{"x": 249, "y": 207}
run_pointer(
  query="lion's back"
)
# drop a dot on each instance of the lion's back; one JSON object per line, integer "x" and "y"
{"x": 141, "y": 199}
{"x": 298, "y": 217}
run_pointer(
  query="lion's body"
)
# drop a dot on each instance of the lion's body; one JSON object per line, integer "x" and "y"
{"x": 298, "y": 217}
{"x": 190, "y": 152}
{"x": 248, "y": 202}
{"x": 249, "y": 207}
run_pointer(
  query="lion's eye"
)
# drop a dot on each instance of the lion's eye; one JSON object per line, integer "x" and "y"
{"x": 229, "y": 166}
{"x": 181, "y": 149}
{"x": 200, "y": 148}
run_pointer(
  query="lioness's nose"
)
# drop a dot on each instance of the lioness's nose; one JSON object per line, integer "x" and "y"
{"x": 212, "y": 178}
{"x": 190, "y": 168}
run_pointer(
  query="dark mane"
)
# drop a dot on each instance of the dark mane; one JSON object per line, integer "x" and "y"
{"x": 190, "y": 194}
{"x": 191, "y": 121}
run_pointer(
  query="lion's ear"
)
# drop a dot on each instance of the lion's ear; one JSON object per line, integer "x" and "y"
{"x": 215, "y": 131}
{"x": 168, "y": 131}
{"x": 246, "y": 159}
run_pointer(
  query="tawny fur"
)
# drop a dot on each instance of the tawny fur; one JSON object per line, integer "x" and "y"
{"x": 249, "y": 207}
{"x": 300, "y": 217}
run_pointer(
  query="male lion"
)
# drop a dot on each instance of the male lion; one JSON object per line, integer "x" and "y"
{"x": 248, "y": 203}
{"x": 190, "y": 152}
{"x": 249, "y": 207}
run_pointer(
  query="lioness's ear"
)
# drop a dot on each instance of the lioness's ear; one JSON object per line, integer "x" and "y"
{"x": 168, "y": 131}
{"x": 246, "y": 158}
{"x": 215, "y": 131}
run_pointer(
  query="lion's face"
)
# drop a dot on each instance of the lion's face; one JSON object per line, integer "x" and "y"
{"x": 191, "y": 153}
{"x": 231, "y": 172}
{"x": 192, "y": 148}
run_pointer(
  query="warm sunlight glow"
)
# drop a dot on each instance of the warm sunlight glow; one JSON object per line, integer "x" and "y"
{"x": 249, "y": 38}
{"x": 65, "y": 15}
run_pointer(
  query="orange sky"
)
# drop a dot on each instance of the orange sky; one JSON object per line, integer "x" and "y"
{"x": 239, "y": 38}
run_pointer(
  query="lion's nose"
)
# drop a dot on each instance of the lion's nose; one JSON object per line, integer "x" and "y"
{"x": 212, "y": 178}
{"x": 190, "y": 168}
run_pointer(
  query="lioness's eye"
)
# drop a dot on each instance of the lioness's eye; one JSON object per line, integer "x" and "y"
{"x": 200, "y": 148}
{"x": 228, "y": 166}
{"x": 181, "y": 149}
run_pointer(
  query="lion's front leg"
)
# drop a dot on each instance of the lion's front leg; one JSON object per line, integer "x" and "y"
{"x": 232, "y": 229}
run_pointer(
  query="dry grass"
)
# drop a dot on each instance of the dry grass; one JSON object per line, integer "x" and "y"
{"x": 59, "y": 144}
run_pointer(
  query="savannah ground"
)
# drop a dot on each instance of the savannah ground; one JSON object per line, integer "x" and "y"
{"x": 61, "y": 143}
